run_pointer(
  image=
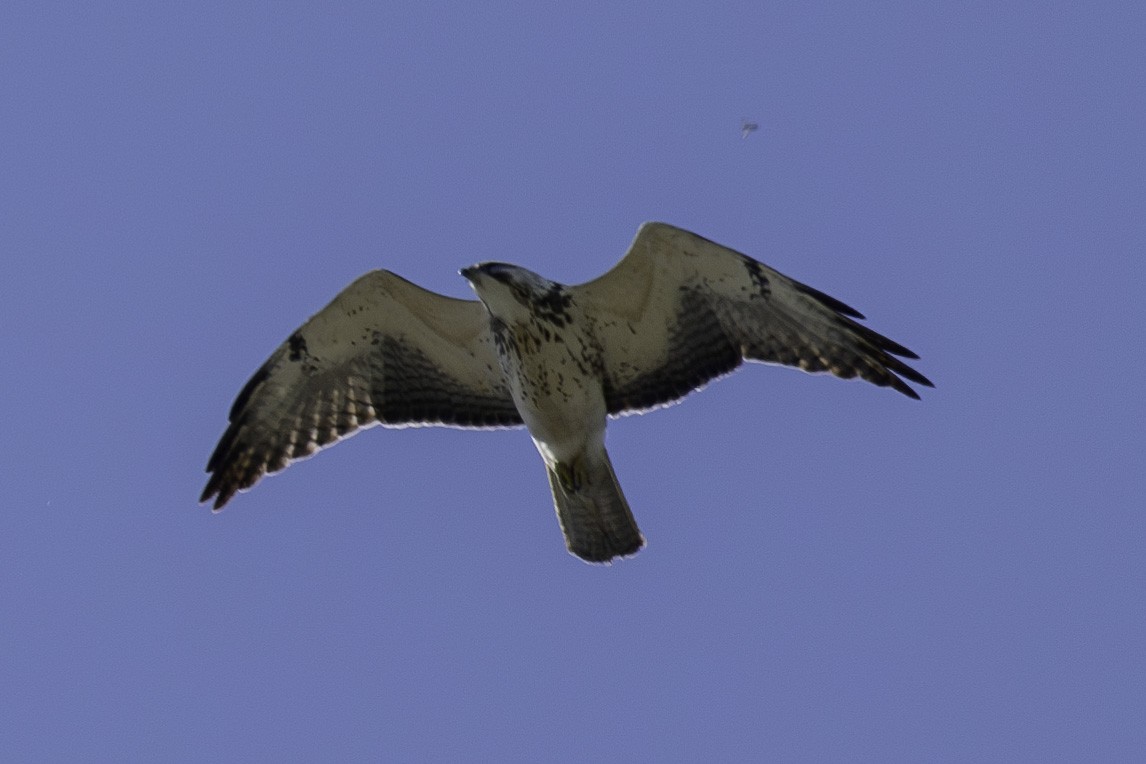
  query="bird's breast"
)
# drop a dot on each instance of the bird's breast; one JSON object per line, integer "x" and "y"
{"x": 555, "y": 377}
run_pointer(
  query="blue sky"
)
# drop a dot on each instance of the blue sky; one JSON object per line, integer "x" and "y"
{"x": 833, "y": 571}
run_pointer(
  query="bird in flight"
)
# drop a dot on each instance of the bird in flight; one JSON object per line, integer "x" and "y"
{"x": 676, "y": 312}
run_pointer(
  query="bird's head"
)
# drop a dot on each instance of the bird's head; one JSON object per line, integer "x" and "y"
{"x": 508, "y": 290}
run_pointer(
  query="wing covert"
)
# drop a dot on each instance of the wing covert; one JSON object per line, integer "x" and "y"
{"x": 384, "y": 351}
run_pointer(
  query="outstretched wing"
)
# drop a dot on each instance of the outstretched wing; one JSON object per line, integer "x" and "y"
{"x": 385, "y": 351}
{"x": 679, "y": 310}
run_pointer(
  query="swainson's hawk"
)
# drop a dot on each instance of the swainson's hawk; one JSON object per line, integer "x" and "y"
{"x": 676, "y": 312}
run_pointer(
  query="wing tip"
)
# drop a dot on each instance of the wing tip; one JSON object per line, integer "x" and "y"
{"x": 828, "y": 301}
{"x": 887, "y": 352}
{"x": 900, "y": 371}
{"x": 908, "y": 392}
{"x": 215, "y": 490}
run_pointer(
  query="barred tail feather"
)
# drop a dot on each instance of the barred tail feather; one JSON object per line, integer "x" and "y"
{"x": 594, "y": 516}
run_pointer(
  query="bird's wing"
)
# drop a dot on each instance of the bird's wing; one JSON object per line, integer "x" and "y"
{"x": 384, "y": 351}
{"x": 679, "y": 310}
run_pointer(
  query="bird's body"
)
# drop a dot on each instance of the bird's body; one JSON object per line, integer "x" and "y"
{"x": 553, "y": 365}
{"x": 677, "y": 311}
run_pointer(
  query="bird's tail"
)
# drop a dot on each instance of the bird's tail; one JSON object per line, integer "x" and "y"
{"x": 594, "y": 516}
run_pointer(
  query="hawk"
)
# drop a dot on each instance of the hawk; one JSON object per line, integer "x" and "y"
{"x": 676, "y": 312}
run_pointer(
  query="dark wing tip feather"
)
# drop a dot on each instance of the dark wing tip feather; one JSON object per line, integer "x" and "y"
{"x": 225, "y": 480}
{"x": 217, "y": 492}
{"x": 248, "y": 390}
{"x": 829, "y": 301}
{"x": 904, "y": 370}
{"x": 883, "y": 348}
{"x": 887, "y": 350}
{"x": 896, "y": 369}
{"x": 228, "y": 474}
{"x": 243, "y": 464}
{"x": 895, "y": 348}
{"x": 902, "y": 388}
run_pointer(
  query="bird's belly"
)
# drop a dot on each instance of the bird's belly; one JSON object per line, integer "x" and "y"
{"x": 563, "y": 412}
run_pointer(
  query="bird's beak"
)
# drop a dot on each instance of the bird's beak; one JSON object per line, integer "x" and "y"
{"x": 469, "y": 273}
